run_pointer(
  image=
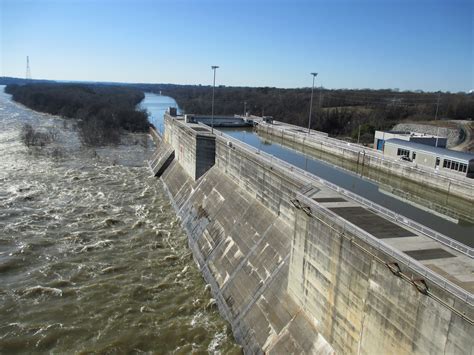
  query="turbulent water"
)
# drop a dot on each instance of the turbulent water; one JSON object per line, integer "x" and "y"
{"x": 92, "y": 258}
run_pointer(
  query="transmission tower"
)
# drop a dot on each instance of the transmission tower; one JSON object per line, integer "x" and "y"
{"x": 28, "y": 70}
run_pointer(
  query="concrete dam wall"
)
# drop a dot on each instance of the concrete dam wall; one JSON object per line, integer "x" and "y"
{"x": 291, "y": 274}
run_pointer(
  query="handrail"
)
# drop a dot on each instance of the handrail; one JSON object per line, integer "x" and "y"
{"x": 392, "y": 252}
{"x": 397, "y": 254}
{"x": 371, "y": 153}
{"x": 299, "y": 173}
{"x": 454, "y": 244}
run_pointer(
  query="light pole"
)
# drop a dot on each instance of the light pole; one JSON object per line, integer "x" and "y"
{"x": 436, "y": 117}
{"x": 311, "y": 103}
{"x": 214, "y": 67}
{"x": 437, "y": 106}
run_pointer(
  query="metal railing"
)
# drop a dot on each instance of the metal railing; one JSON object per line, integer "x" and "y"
{"x": 294, "y": 170}
{"x": 462, "y": 181}
{"x": 387, "y": 249}
{"x": 303, "y": 176}
{"x": 364, "y": 235}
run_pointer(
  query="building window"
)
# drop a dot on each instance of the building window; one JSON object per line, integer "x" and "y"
{"x": 413, "y": 156}
{"x": 404, "y": 152}
{"x": 437, "y": 161}
{"x": 454, "y": 165}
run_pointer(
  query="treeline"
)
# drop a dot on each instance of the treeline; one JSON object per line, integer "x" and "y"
{"x": 338, "y": 112}
{"x": 103, "y": 111}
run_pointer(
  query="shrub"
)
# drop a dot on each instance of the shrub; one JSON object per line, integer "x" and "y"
{"x": 104, "y": 111}
{"x": 30, "y": 137}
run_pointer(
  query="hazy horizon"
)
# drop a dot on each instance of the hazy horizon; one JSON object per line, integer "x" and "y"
{"x": 391, "y": 44}
{"x": 232, "y": 86}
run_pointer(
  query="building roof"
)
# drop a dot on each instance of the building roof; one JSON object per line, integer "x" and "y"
{"x": 412, "y": 134}
{"x": 404, "y": 133}
{"x": 440, "y": 152}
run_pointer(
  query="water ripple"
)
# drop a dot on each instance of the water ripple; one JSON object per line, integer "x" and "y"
{"x": 92, "y": 258}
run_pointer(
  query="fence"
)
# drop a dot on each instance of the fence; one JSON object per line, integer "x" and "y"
{"x": 272, "y": 160}
{"x": 463, "y": 182}
{"x": 387, "y": 249}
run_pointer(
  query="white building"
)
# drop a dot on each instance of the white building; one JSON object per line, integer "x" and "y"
{"x": 381, "y": 137}
{"x": 439, "y": 159}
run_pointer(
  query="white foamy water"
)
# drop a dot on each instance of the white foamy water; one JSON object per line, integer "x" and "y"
{"x": 92, "y": 257}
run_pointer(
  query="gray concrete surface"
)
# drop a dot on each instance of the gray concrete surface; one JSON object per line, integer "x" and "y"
{"x": 194, "y": 146}
{"x": 293, "y": 276}
{"x": 459, "y": 186}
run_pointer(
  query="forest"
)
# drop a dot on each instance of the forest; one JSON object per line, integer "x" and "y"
{"x": 337, "y": 112}
{"x": 103, "y": 111}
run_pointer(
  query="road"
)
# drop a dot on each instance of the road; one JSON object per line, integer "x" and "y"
{"x": 467, "y": 145}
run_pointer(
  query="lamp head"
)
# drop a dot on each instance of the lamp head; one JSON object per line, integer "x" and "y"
{"x": 214, "y": 67}
{"x": 314, "y": 74}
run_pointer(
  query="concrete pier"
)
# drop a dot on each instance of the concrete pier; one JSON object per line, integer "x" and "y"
{"x": 298, "y": 265}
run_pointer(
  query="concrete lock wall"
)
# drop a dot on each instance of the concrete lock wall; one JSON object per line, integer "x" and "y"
{"x": 360, "y": 306}
{"x": 285, "y": 281}
{"x": 194, "y": 149}
{"x": 442, "y": 202}
{"x": 372, "y": 160}
{"x": 183, "y": 141}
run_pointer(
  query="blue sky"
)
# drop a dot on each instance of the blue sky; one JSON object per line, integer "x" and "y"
{"x": 406, "y": 44}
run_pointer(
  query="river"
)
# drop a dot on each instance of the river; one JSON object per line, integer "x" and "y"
{"x": 92, "y": 257}
{"x": 156, "y": 105}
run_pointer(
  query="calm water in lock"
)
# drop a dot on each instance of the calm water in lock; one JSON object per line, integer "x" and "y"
{"x": 463, "y": 231}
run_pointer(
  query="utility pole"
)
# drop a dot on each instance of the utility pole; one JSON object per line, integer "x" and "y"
{"x": 311, "y": 103}
{"x": 436, "y": 118}
{"x": 214, "y": 67}
{"x": 320, "y": 103}
{"x": 358, "y": 135}
{"x": 245, "y": 108}
{"x": 437, "y": 106}
{"x": 28, "y": 70}
{"x": 320, "y": 97}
